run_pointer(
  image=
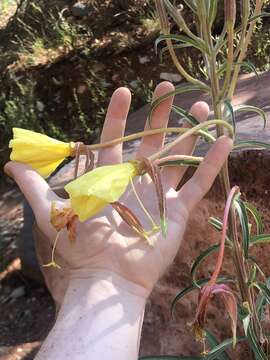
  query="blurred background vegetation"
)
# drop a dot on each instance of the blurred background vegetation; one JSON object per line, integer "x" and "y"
{"x": 60, "y": 61}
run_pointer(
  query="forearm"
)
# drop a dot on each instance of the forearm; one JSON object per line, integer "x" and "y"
{"x": 99, "y": 318}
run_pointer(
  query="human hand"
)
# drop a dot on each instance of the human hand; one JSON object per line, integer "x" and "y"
{"x": 105, "y": 246}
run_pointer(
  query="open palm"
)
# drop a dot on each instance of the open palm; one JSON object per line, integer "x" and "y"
{"x": 105, "y": 244}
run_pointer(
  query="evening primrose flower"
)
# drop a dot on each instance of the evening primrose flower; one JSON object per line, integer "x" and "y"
{"x": 93, "y": 191}
{"x": 40, "y": 151}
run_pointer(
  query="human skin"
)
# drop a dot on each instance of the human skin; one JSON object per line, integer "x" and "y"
{"x": 112, "y": 270}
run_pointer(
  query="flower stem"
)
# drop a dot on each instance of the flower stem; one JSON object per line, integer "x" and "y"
{"x": 154, "y": 225}
{"x": 190, "y": 132}
{"x": 52, "y": 262}
{"x": 138, "y": 135}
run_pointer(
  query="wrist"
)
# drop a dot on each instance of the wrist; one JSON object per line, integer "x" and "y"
{"x": 109, "y": 279}
{"x": 101, "y": 317}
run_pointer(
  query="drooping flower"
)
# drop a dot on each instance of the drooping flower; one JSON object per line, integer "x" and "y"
{"x": 93, "y": 191}
{"x": 64, "y": 218}
{"x": 207, "y": 292}
{"x": 212, "y": 288}
{"x": 40, "y": 151}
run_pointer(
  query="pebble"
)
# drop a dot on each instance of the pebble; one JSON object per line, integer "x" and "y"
{"x": 143, "y": 59}
{"x": 80, "y": 10}
{"x": 175, "y": 78}
{"x": 40, "y": 106}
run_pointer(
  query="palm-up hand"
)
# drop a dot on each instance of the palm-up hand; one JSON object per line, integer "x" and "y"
{"x": 105, "y": 246}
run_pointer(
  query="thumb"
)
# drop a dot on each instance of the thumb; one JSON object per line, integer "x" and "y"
{"x": 37, "y": 192}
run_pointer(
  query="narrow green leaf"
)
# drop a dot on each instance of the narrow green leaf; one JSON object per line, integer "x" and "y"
{"x": 199, "y": 45}
{"x": 256, "y": 216}
{"x": 254, "y": 344}
{"x": 249, "y": 108}
{"x": 260, "y": 239}
{"x": 216, "y": 223}
{"x": 250, "y": 66}
{"x": 228, "y": 106}
{"x": 188, "y": 116}
{"x": 251, "y": 144}
{"x": 193, "y": 122}
{"x": 183, "y": 88}
{"x": 213, "y": 343}
{"x": 203, "y": 255}
{"x": 242, "y": 213}
{"x": 219, "y": 349}
{"x": 264, "y": 289}
{"x": 191, "y": 288}
{"x": 261, "y": 301}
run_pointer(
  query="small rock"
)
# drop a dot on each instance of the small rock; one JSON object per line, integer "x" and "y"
{"x": 175, "y": 78}
{"x": 143, "y": 59}
{"x": 81, "y": 89}
{"x": 18, "y": 292}
{"x": 7, "y": 239}
{"x": 80, "y": 10}
{"x": 40, "y": 106}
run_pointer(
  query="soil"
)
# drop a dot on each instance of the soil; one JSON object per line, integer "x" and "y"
{"x": 161, "y": 333}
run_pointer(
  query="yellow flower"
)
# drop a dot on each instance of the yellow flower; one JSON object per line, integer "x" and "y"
{"x": 90, "y": 193}
{"x": 40, "y": 151}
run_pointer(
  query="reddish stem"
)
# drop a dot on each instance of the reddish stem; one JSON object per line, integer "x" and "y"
{"x": 219, "y": 262}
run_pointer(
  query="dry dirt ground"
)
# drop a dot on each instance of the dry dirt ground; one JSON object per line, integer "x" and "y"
{"x": 27, "y": 311}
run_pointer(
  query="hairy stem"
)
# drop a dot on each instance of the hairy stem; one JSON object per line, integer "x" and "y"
{"x": 135, "y": 136}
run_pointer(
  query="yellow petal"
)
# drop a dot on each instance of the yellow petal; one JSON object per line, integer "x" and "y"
{"x": 40, "y": 151}
{"x": 90, "y": 193}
